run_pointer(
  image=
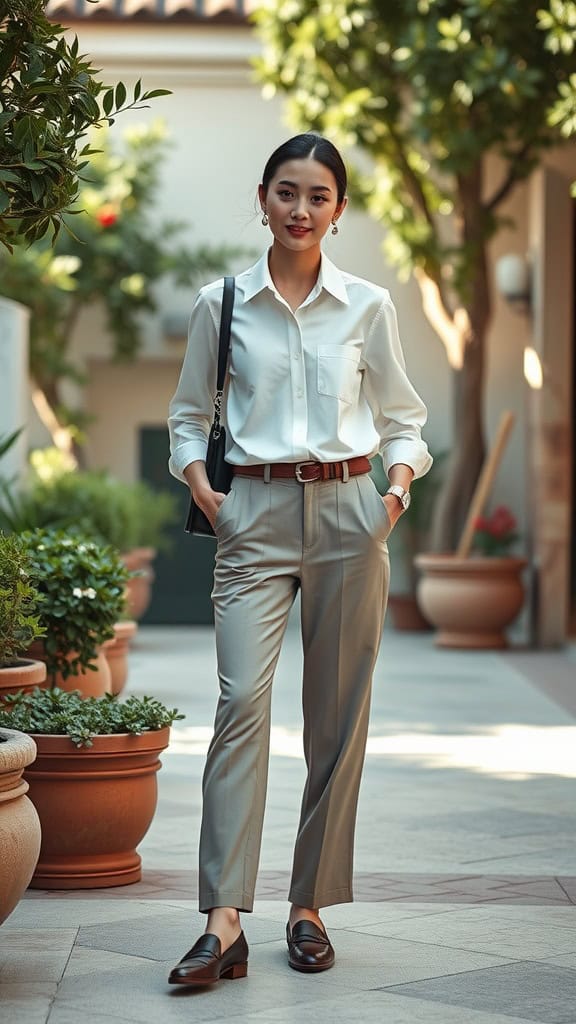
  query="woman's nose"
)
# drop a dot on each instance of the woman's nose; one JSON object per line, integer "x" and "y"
{"x": 299, "y": 210}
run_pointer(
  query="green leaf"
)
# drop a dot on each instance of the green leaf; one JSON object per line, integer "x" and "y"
{"x": 156, "y": 92}
{"x": 4, "y": 201}
{"x": 120, "y": 95}
{"x": 108, "y": 101}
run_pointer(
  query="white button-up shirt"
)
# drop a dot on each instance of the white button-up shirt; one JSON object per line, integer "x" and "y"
{"x": 326, "y": 382}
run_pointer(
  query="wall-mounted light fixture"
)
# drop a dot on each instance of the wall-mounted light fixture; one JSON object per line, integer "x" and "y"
{"x": 533, "y": 370}
{"x": 514, "y": 281}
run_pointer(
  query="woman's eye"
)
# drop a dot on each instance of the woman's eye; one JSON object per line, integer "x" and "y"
{"x": 285, "y": 194}
{"x": 321, "y": 199}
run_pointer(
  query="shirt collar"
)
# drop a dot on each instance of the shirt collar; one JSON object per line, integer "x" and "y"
{"x": 330, "y": 279}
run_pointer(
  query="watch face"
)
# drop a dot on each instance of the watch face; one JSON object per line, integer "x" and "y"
{"x": 406, "y": 499}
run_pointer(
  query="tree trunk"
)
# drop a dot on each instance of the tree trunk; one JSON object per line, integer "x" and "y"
{"x": 46, "y": 400}
{"x": 468, "y": 450}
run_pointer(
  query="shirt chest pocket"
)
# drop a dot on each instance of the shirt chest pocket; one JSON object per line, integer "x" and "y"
{"x": 338, "y": 371}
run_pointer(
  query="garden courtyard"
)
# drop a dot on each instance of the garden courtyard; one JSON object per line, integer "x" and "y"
{"x": 465, "y": 858}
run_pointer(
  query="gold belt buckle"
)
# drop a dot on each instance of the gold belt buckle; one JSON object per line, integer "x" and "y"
{"x": 298, "y": 473}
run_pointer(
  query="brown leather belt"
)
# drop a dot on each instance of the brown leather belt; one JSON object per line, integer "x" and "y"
{"x": 307, "y": 472}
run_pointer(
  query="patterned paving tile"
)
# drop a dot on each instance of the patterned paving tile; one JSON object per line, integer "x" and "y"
{"x": 26, "y": 1002}
{"x": 368, "y": 886}
{"x": 533, "y": 991}
{"x": 516, "y": 933}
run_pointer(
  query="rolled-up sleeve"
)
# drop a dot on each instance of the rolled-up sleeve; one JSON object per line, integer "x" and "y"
{"x": 191, "y": 408}
{"x": 399, "y": 412}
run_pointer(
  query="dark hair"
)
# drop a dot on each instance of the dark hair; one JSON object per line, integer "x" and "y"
{"x": 307, "y": 145}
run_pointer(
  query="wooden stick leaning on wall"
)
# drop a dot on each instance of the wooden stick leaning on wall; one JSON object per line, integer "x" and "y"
{"x": 485, "y": 481}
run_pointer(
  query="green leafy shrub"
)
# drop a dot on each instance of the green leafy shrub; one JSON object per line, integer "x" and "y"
{"x": 19, "y": 600}
{"x": 124, "y": 515}
{"x": 56, "y": 712}
{"x": 83, "y": 587}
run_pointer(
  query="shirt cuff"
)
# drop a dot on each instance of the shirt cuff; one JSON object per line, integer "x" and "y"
{"x": 411, "y": 453}
{"x": 184, "y": 455}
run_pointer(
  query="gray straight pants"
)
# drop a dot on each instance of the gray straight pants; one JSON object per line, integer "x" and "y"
{"x": 329, "y": 539}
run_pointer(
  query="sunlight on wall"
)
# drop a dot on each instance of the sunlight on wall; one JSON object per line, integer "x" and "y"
{"x": 503, "y": 751}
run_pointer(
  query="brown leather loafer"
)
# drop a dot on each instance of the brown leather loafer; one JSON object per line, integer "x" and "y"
{"x": 204, "y": 963}
{"x": 309, "y": 948}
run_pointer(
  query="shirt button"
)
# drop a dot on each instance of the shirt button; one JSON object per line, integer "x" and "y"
{"x": 296, "y": 355}
{"x": 299, "y": 393}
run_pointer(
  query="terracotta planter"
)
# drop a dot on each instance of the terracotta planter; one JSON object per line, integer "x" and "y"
{"x": 406, "y": 614}
{"x": 25, "y": 676}
{"x": 116, "y": 652}
{"x": 95, "y": 805}
{"x": 19, "y": 822}
{"x": 91, "y": 683}
{"x": 470, "y": 601}
{"x": 139, "y": 588}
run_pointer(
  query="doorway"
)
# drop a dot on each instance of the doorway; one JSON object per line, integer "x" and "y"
{"x": 184, "y": 572}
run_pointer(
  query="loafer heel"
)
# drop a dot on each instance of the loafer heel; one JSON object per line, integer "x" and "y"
{"x": 235, "y": 971}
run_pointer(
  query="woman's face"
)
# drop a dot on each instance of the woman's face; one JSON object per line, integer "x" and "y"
{"x": 301, "y": 202}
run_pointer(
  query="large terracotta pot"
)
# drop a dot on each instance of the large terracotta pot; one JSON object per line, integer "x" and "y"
{"x": 95, "y": 805}
{"x": 405, "y": 613}
{"x": 19, "y": 822}
{"x": 470, "y": 601}
{"x": 25, "y": 676}
{"x": 91, "y": 682}
{"x": 139, "y": 588}
{"x": 116, "y": 652}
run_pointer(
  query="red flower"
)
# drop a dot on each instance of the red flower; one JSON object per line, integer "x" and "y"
{"x": 502, "y": 522}
{"x": 495, "y": 534}
{"x": 107, "y": 215}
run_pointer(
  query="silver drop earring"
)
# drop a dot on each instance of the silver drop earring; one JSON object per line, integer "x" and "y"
{"x": 265, "y": 219}
{"x": 334, "y": 228}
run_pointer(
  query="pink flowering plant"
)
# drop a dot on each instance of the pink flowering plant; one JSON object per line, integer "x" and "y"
{"x": 495, "y": 534}
{"x": 83, "y": 587}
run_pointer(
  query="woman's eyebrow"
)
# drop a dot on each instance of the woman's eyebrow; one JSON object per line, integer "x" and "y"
{"x": 315, "y": 188}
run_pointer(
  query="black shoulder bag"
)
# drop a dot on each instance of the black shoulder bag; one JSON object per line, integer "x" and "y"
{"x": 218, "y": 471}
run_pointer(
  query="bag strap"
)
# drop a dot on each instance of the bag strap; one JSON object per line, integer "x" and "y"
{"x": 223, "y": 347}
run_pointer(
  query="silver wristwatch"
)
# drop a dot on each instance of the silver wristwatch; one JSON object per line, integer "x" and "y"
{"x": 402, "y": 495}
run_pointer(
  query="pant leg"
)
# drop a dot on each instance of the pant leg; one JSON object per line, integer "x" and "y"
{"x": 252, "y": 597}
{"x": 345, "y": 579}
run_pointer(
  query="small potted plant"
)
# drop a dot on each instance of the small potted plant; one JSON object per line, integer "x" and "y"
{"x": 93, "y": 783}
{"x": 132, "y": 517}
{"x": 19, "y": 621}
{"x": 472, "y": 600}
{"x": 83, "y": 589}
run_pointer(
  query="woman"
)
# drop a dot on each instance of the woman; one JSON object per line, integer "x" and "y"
{"x": 316, "y": 386}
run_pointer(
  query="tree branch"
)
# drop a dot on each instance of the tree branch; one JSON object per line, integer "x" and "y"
{"x": 61, "y": 435}
{"x": 511, "y": 178}
{"x": 452, "y": 329}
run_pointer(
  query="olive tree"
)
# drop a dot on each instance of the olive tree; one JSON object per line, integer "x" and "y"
{"x": 429, "y": 89}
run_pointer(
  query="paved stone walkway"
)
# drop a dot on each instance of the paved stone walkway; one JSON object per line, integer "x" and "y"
{"x": 465, "y": 861}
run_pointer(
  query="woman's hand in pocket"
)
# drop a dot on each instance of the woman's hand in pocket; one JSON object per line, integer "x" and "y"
{"x": 393, "y": 508}
{"x": 209, "y": 501}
